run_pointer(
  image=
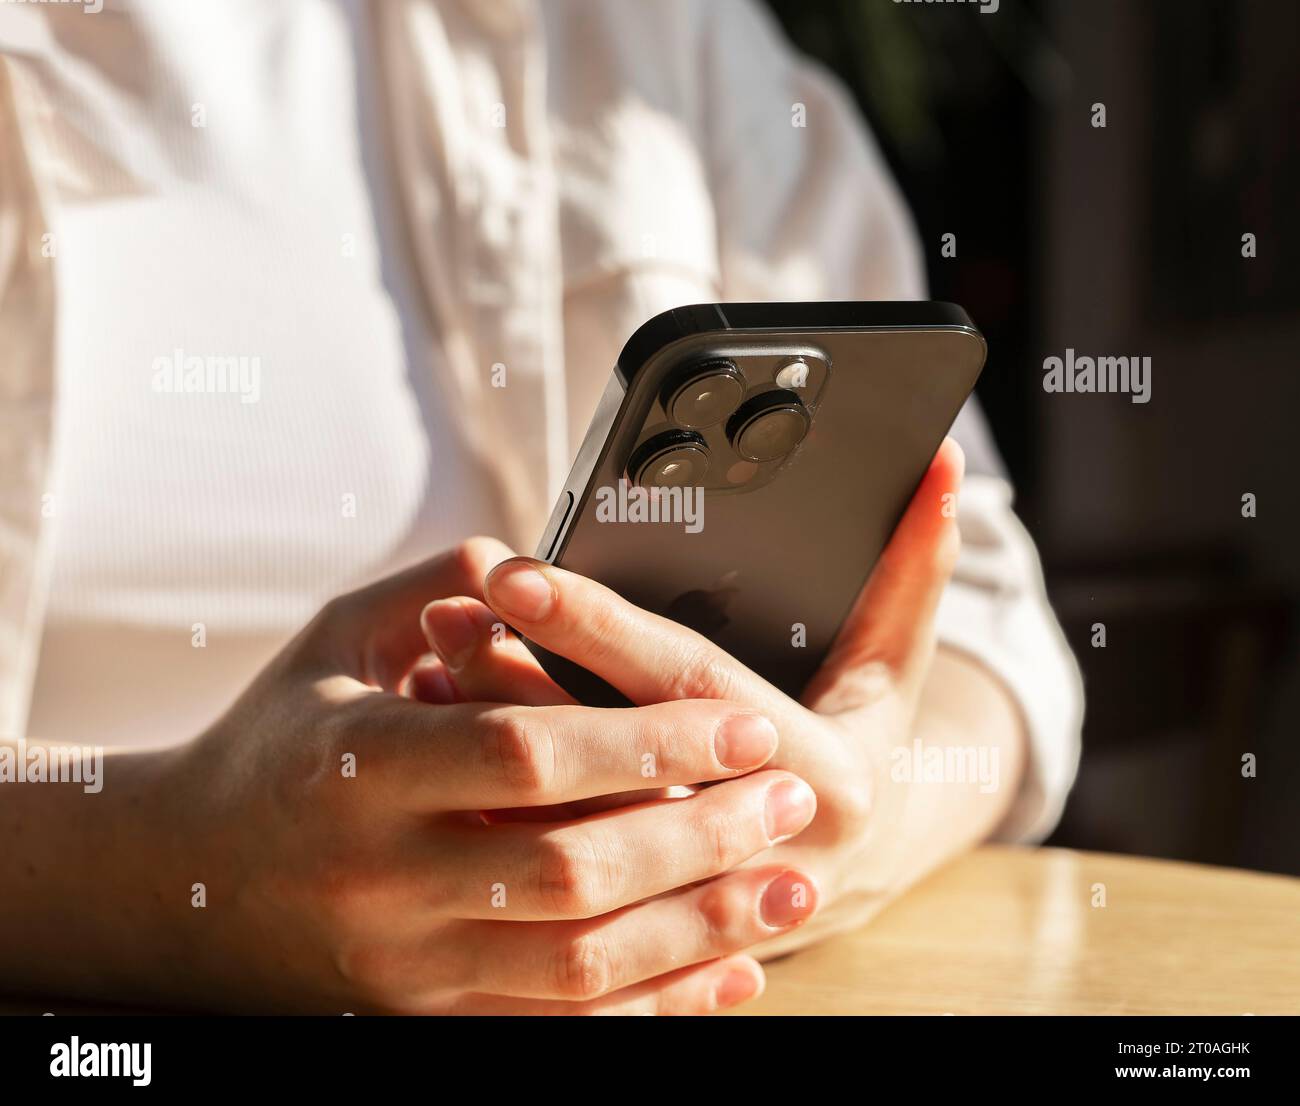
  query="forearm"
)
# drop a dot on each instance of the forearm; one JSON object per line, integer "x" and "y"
{"x": 90, "y": 887}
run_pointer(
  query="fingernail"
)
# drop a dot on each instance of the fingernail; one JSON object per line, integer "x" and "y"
{"x": 451, "y": 631}
{"x": 744, "y": 741}
{"x": 789, "y": 898}
{"x": 735, "y": 988}
{"x": 791, "y": 805}
{"x": 520, "y": 591}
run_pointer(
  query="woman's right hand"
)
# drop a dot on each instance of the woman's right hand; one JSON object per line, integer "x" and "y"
{"x": 335, "y": 826}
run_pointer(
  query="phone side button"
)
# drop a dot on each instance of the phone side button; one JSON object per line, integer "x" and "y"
{"x": 559, "y": 518}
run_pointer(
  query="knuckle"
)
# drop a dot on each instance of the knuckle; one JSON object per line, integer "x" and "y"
{"x": 364, "y": 966}
{"x": 303, "y": 774}
{"x": 522, "y": 748}
{"x": 701, "y": 675}
{"x": 847, "y": 807}
{"x": 344, "y": 900}
{"x": 584, "y": 968}
{"x": 666, "y": 737}
{"x": 378, "y": 971}
{"x": 602, "y": 627}
{"x": 340, "y": 735}
{"x": 570, "y": 876}
{"x": 724, "y": 914}
{"x": 470, "y": 560}
{"x": 722, "y": 841}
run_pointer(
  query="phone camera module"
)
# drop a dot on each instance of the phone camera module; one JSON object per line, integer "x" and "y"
{"x": 705, "y": 395}
{"x": 768, "y": 426}
{"x": 673, "y": 459}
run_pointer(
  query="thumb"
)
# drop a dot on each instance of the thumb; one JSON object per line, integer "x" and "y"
{"x": 481, "y": 662}
{"x": 889, "y": 634}
{"x": 374, "y": 634}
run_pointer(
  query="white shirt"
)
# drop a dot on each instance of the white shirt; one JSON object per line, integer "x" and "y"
{"x": 389, "y": 206}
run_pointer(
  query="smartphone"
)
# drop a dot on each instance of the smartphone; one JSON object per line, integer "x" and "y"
{"x": 747, "y": 464}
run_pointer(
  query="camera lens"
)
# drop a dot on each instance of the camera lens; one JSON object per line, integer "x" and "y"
{"x": 768, "y": 426}
{"x": 705, "y": 395}
{"x": 673, "y": 459}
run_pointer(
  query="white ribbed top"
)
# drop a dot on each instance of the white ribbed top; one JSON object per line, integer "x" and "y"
{"x": 175, "y": 508}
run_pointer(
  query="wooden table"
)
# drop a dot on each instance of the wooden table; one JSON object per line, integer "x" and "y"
{"x": 1014, "y": 931}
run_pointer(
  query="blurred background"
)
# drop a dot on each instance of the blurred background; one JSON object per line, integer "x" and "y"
{"x": 1127, "y": 240}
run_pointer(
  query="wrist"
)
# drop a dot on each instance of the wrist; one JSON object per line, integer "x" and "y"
{"x": 91, "y": 879}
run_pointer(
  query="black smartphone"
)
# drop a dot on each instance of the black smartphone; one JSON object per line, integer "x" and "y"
{"x": 749, "y": 461}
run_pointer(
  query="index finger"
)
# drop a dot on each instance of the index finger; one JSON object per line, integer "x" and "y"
{"x": 374, "y": 635}
{"x": 647, "y": 657}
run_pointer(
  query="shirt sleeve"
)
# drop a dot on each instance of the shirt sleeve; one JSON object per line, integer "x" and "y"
{"x": 807, "y": 210}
